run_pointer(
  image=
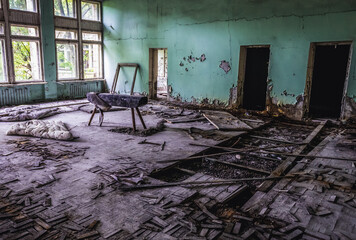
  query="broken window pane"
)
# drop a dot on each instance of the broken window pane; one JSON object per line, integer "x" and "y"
{"x": 90, "y": 36}
{"x": 2, "y": 62}
{"x": 63, "y": 34}
{"x": 91, "y": 11}
{"x": 23, "y": 5}
{"x": 26, "y": 60}
{"x": 24, "y": 31}
{"x": 64, "y": 8}
{"x": 67, "y": 61}
{"x": 92, "y": 61}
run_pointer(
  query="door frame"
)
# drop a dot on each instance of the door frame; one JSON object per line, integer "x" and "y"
{"x": 153, "y": 71}
{"x": 310, "y": 70}
{"x": 242, "y": 72}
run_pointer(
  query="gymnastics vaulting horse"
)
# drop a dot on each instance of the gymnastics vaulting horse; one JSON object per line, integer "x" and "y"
{"x": 104, "y": 101}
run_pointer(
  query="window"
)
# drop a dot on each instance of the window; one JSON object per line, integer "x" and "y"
{"x": 23, "y": 5}
{"x": 20, "y": 44}
{"x": 92, "y": 55}
{"x": 90, "y": 11}
{"x": 25, "y": 47}
{"x": 64, "y": 8}
{"x": 79, "y": 42}
{"x": 67, "y": 54}
{"x": 2, "y": 55}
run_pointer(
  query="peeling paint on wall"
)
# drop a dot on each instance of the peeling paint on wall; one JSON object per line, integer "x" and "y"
{"x": 350, "y": 107}
{"x": 224, "y": 65}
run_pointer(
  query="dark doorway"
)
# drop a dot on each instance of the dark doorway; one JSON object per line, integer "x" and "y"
{"x": 329, "y": 75}
{"x": 255, "y": 83}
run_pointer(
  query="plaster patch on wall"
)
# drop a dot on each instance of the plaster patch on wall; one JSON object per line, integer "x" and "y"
{"x": 191, "y": 59}
{"x": 233, "y": 96}
{"x": 285, "y": 93}
{"x": 202, "y": 58}
{"x": 224, "y": 65}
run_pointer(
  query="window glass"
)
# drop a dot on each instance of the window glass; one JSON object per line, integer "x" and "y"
{"x": 24, "y": 31}
{"x": 26, "y": 60}
{"x": 64, "y": 34}
{"x": 23, "y": 5}
{"x": 2, "y": 61}
{"x": 1, "y": 28}
{"x": 64, "y": 8}
{"x": 92, "y": 61}
{"x": 90, "y": 36}
{"x": 91, "y": 11}
{"x": 67, "y": 61}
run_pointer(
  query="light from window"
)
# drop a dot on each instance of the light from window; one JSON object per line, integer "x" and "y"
{"x": 67, "y": 62}
{"x": 64, "y": 8}
{"x": 90, "y": 11}
{"x": 92, "y": 61}
{"x": 23, "y": 5}
{"x": 1, "y": 28}
{"x": 64, "y": 34}
{"x": 24, "y": 31}
{"x": 26, "y": 60}
{"x": 90, "y": 36}
{"x": 2, "y": 61}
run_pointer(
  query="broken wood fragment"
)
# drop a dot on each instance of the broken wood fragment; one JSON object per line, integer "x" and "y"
{"x": 200, "y": 183}
{"x": 205, "y": 210}
{"x": 214, "y": 124}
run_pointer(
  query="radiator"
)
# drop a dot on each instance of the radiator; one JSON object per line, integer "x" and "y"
{"x": 81, "y": 90}
{"x": 14, "y": 96}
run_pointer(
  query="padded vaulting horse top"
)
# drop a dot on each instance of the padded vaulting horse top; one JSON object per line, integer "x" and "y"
{"x": 105, "y": 100}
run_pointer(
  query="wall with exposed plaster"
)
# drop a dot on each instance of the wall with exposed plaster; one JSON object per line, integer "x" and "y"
{"x": 217, "y": 29}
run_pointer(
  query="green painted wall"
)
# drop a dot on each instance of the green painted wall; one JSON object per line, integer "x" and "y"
{"x": 217, "y": 28}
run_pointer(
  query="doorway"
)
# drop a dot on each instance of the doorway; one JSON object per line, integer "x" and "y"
{"x": 158, "y": 84}
{"x": 328, "y": 77}
{"x": 253, "y": 74}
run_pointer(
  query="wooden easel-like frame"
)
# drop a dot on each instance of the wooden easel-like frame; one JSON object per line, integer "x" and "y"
{"x": 114, "y": 84}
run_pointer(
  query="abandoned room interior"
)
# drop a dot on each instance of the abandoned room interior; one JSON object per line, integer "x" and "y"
{"x": 163, "y": 119}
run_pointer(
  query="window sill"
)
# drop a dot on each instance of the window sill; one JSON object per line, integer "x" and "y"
{"x": 79, "y": 81}
{"x": 21, "y": 84}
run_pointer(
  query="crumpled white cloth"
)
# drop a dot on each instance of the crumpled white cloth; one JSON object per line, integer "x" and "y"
{"x": 42, "y": 129}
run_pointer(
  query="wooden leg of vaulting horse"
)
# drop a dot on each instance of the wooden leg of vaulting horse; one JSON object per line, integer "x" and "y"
{"x": 133, "y": 119}
{"x": 101, "y": 117}
{"x": 139, "y": 115}
{"x": 92, "y": 116}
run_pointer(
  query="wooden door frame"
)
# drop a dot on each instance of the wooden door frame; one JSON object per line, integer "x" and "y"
{"x": 310, "y": 70}
{"x": 153, "y": 70}
{"x": 242, "y": 72}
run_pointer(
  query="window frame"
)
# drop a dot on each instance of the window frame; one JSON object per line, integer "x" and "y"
{"x": 81, "y": 25}
{"x": 3, "y": 40}
{"x": 17, "y": 18}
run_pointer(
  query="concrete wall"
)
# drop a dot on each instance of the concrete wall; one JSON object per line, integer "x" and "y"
{"x": 217, "y": 28}
{"x": 27, "y": 93}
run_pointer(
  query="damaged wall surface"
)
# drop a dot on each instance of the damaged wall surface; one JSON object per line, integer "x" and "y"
{"x": 218, "y": 29}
